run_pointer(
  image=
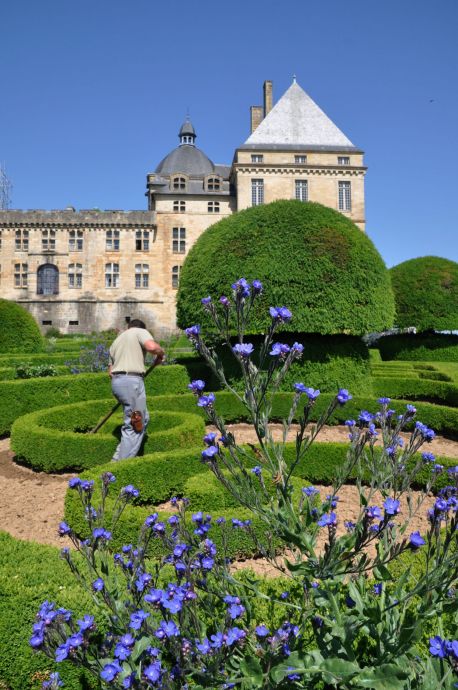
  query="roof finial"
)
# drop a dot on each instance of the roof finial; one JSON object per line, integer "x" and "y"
{"x": 188, "y": 117}
{"x": 294, "y": 78}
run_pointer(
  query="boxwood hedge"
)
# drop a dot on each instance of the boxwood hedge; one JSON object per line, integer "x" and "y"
{"x": 326, "y": 270}
{"x": 57, "y": 438}
{"x": 426, "y": 347}
{"x": 19, "y": 331}
{"x": 22, "y": 396}
{"x": 426, "y": 293}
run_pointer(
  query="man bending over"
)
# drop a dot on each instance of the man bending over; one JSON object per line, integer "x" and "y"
{"x": 127, "y": 370}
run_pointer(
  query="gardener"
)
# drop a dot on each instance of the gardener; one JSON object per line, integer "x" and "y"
{"x": 127, "y": 370}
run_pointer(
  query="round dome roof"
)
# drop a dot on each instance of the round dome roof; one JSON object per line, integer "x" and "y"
{"x": 186, "y": 159}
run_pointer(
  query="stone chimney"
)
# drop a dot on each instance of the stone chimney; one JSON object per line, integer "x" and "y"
{"x": 267, "y": 97}
{"x": 256, "y": 116}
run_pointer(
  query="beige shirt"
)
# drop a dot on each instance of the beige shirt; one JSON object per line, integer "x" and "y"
{"x": 127, "y": 353}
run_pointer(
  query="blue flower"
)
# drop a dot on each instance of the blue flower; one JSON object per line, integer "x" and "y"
{"x": 167, "y": 629}
{"x": 437, "y": 647}
{"x": 128, "y": 640}
{"x": 64, "y": 529}
{"x": 86, "y": 623}
{"x": 137, "y": 618}
{"x": 74, "y": 482}
{"x": 37, "y": 640}
{"x": 311, "y": 393}
{"x": 122, "y": 652}
{"x": 209, "y": 453}
{"x": 279, "y": 350}
{"x": 297, "y": 349}
{"x": 206, "y": 300}
{"x": 257, "y": 286}
{"x": 280, "y": 314}
{"x": 236, "y": 610}
{"x": 210, "y": 438}
{"x": 384, "y": 401}
{"x": 234, "y": 635}
{"x": 257, "y": 470}
{"x": 110, "y": 671}
{"x": 224, "y": 301}
{"x": 411, "y": 410}
{"x": 378, "y": 587}
{"x": 241, "y": 287}
{"x": 416, "y": 540}
{"x": 98, "y": 585}
{"x": 130, "y": 491}
{"x": 217, "y": 640}
{"x": 62, "y": 651}
{"x": 391, "y": 506}
{"x": 262, "y": 631}
{"x": 365, "y": 416}
{"x": 343, "y": 396}
{"x": 243, "y": 350}
{"x": 204, "y": 647}
{"x": 373, "y": 512}
{"x": 197, "y": 386}
{"x": 328, "y": 519}
{"x": 206, "y": 400}
{"x": 310, "y": 491}
{"x": 193, "y": 332}
{"x": 151, "y": 519}
{"x": 53, "y": 682}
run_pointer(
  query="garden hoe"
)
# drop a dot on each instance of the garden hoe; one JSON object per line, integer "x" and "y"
{"x": 118, "y": 405}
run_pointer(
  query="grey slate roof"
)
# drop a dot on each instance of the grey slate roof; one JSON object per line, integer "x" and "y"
{"x": 187, "y": 159}
{"x": 297, "y": 120}
{"x": 187, "y": 128}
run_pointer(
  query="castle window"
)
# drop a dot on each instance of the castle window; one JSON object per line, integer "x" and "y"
{"x": 257, "y": 158}
{"x": 213, "y": 184}
{"x": 179, "y": 240}
{"x": 213, "y": 206}
{"x": 142, "y": 240}
{"x": 300, "y": 160}
{"x": 302, "y": 192}
{"x": 176, "y": 270}
{"x": 141, "y": 275}
{"x": 343, "y": 160}
{"x": 48, "y": 240}
{"x": 75, "y": 240}
{"x": 111, "y": 275}
{"x": 73, "y": 323}
{"x": 257, "y": 192}
{"x": 48, "y": 280}
{"x": 75, "y": 275}
{"x": 22, "y": 240}
{"x": 112, "y": 241}
{"x": 20, "y": 275}
{"x": 344, "y": 196}
{"x": 179, "y": 183}
{"x": 179, "y": 206}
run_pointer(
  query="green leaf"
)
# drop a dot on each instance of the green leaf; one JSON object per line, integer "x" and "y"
{"x": 381, "y": 572}
{"x": 140, "y": 646}
{"x": 385, "y": 677}
{"x": 280, "y": 671}
{"x": 338, "y": 669}
{"x": 251, "y": 668}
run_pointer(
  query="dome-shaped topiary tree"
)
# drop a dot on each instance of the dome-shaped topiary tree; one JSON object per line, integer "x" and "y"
{"x": 426, "y": 293}
{"x": 310, "y": 258}
{"x": 19, "y": 331}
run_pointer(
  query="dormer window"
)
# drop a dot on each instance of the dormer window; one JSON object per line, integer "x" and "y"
{"x": 257, "y": 158}
{"x": 179, "y": 183}
{"x": 343, "y": 160}
{"x": 187, "y": 139}
{"x": 213, "y": 184}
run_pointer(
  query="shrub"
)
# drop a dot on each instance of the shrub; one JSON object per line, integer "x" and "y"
{"x": 326, "y": 270}
{"x": 426, "y": 293}
{"x": 19, "y": 397}
{"x": 436, "y": 347}
{"x": 417, "y": 389}
{"x": 57, "y": 438}
{"x": 328, "y": 363}
{"x": 19, "y": 331}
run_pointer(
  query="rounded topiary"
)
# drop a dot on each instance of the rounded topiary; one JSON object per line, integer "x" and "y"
{"x": 310, "y": 258}
{"x": 426, "y": 293}
{"x": 19, "y": 331}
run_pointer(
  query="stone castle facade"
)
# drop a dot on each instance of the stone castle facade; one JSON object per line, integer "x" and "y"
{"x": 81, "y": 271}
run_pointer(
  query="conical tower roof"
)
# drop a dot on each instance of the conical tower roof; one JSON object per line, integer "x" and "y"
{"x": 297, "y": 120}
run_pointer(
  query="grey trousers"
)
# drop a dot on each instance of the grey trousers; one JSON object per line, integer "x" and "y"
{"x": 130, "y": 392}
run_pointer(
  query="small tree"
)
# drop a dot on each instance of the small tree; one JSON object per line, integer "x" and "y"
{"x": 431, "y": 283}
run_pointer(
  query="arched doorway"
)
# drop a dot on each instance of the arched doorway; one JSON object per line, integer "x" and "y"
{"x": 48, "y": 280}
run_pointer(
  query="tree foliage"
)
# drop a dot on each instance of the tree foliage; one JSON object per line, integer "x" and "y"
{"x": 19, "y": 331}
{"x": 308, "y": 256}
{"x": 426, "y": 293}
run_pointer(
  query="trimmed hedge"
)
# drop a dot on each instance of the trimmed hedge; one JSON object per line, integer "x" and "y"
{"x": 9, "y": 374}
{"x": 328, "y": 363}
{"x": 19, "y": 331}
{"x": 57, "y": 438}
{"x": 309, "y": 257}
{"x": 22, "y": 396}
{"x": 29, "y": 574}
{"x": 417, "y": 389}
{"x": 426, "y": 293}
{"x": 162, "y": 475}
{"x": 11, "y": 360}
{"x": 436, "y": 347}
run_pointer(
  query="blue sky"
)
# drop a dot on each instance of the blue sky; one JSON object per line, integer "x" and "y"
{"x": 93, "y": 93}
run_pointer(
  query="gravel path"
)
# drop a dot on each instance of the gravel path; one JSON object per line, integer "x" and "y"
{"x": 32, "y": 503}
